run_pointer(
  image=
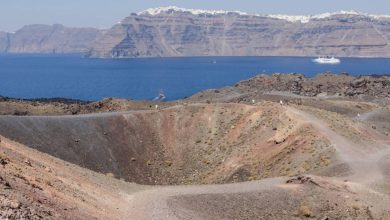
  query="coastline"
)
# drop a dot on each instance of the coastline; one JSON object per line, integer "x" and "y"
{"x": 274, "y": 87}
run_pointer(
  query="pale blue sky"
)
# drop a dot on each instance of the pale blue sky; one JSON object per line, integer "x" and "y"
{"x": 104, "y": 13}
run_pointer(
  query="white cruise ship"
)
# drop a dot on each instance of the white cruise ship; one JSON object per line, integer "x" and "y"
{"x": 327, "y": 60}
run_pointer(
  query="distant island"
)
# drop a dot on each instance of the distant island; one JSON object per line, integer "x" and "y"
{"x": 50, "y": 39}
{"x": 177, "y": 32}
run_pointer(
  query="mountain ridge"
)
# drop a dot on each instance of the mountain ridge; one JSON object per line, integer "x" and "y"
{"x": 177, "y": 32}
{"x": 291, "y": 18}
{"x": 42, "y": 38}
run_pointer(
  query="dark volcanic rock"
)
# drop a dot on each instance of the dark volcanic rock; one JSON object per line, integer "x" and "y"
{"x": 358, "y": 83}
{"x": 297, "y": 84}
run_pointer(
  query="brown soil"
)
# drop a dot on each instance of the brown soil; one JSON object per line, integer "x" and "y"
{"x": 192, "y": 144}
{"x": 322, "y": 157}
{"x": 18, "y": 107}
{"x": 34, "y": 185}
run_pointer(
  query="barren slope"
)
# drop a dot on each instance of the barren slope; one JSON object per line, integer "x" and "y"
{"x": 189, "y": 144}
{"x": 318, "y": 155}
{"x": 34, "y": 185}
{"x": 67, "y": 191}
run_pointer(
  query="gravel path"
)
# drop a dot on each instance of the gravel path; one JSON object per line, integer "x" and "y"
{"x": 366, "y": 167}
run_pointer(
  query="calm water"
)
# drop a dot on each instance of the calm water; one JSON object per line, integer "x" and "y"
{"x": 43, "y": 76}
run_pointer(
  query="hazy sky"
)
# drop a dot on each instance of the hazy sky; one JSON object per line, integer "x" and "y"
{"x": 104, "y": 13}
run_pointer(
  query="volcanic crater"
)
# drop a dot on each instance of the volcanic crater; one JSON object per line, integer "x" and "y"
{"x": 185, "y": 144}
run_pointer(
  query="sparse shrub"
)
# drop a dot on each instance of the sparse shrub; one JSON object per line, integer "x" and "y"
{"x": 111, "y": 175}
{"x": 20, "y": 113}
{"x": 47, "y": 182}
{"x": 305, "y": 211}
{"x": 3, "y": 160}
{"x": 306, "y": 165}
{"x": 356, "y": 206}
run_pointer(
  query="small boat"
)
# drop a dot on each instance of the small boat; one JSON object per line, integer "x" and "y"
{"x": 327, "y": 60}
{"x": 160, "y": 97}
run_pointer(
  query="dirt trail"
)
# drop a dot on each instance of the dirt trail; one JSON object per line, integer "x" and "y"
{"x": 183, "y": 144}
{"x": 100, "y": 197}
{"x": 258, "y": 200}
{"x": 108, "y": 198}
{"x": 365, "y": 165}
{"x": 367, "y": 115}
{"x": 156, "y": 201}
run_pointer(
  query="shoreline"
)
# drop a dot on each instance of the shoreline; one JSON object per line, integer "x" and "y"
{"x": 291, "y": 87}
{"x": 85, "y": 55}
{"x": 80, "y": 101}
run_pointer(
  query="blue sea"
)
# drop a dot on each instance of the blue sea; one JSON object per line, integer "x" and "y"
{"x": 76, "y": 77}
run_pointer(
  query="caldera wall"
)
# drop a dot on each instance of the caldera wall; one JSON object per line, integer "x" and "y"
{"x": 200, "y": 143}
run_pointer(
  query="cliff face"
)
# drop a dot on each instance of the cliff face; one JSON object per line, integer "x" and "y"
{"x": 49, "y": 39}
{"x": 174, "y": 31}
{"x": 179, "y": 32}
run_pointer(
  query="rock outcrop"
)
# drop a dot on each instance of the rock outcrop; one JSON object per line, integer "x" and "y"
{"x": 326, "y": 84}
{"x": 173, "y": 31}
{"x": 49, "y": 39}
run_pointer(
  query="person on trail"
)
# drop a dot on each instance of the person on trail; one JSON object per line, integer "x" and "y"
{"x": 281, "y": 103}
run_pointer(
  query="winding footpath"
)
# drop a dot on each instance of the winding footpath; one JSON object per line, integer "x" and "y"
{"x": 366, "y": 167}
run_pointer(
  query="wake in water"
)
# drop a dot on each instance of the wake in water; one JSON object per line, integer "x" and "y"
{"x": 161, "y": 96}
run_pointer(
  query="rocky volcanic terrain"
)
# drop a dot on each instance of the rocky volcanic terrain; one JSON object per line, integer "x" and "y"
{"x": 231, "y": 153}
{"x": 297, "y": 85}
{"x": 173, "y": 31}
{"x": 49, "y": 39}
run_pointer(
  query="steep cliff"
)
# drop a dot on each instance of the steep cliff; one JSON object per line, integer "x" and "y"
{"x": 173, "y": 31}
{"x": 49, "y": 39}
